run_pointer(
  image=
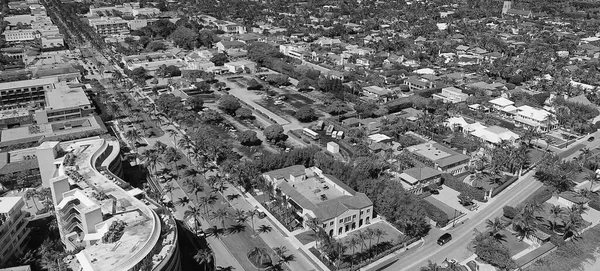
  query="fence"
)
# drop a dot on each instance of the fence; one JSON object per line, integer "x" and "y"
{"x": 503, "y": 186}
{"x": 531, "y": 257}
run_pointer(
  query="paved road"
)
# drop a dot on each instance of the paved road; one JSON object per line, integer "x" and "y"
{"x": 463, "y": 234}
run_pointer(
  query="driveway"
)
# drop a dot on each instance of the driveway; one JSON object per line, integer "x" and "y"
{"x": 449, "y": 197}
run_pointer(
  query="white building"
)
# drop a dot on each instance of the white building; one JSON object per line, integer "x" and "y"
{"x": 99, "y": 216}
{"x": 13, "y": 227}
{"x": 451, "y": 95}
{"x": 109, "y": 25}
{"x": 20, "y": 35}
{"x": 534, "y": 117}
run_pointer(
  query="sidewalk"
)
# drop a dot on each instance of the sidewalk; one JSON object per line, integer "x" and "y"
{"x": 393, "y": 255}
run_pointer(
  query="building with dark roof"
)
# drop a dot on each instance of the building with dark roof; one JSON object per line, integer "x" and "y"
{"x": 314, "y": 194}
{"x": 441, "y": 157}
{"x": 414, "y": 179}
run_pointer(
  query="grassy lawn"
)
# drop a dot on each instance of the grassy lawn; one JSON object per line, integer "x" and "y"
{"x": 513, "y": 244}
{"x": 392, "y": 236}
{"x": 450, "y": 212}
{"x": 306, "y": 237}
{"x": 572, "y": 255}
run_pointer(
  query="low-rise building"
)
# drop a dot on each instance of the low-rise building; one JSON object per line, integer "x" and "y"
{"x": 415, "y": 179}
{"x": 416, "y": 83}
{"x": 376, "y": 92}
{"x": 229, "y": 27}
{"x": 241, "y": 66}
{"x": 314, "y": 194}
{"x": 152, "y": 61}
{"x": 441, "y": 158}
{"x": 64, "y": 102}
{"x": 451, "y": 95}
{"x": 20, "y": 35}
{"x": 534, "y": 117}
{"x": 13, "y": 228}
{"x": 503, "y": 104}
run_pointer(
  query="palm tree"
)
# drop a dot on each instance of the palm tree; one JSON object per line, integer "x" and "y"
{"x": 251, "y": 215}
{"x": 314, "y": 224}
{"x": 168, "y": 188}
{"x": 194, "y": 212}
{"x": 219, "y": 187}
{"x": 215, "y": 232}
{"x": 220, "y": 214}
{"x": 151, "y": 159}
{"x": 495, "y": 227}
{"x": 160, "y": 147}
{"x": 352, "y": 242}
{"x": 196, "y": 188}
{"x": 133, "y": 136}
{"x": 369, "y": 233}
{"x": 573, "y": 223}
{"x": 259, "y": 256}
{"x": 172, "y": 133}
{"x": 240, "y": 216}
{"x": 264, "y": 229}
{"x": 182, "y": 201}
{"x": 379, "y": 233}
{"x": 281, "y": 253}
{"x": 206, "y": 257}
{"x": 207, "y": 201}
{"x": 556, "y": 211}
{"x": 431, "y": 266}
{"x": 237, "y": 228}
{"x": 591, "y": 177}
{"x": 362, "y": 237}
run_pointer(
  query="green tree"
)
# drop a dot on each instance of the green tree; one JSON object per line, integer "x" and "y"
{"x": 195, "y": 102}
{"x": 206, "y": 257}
{"x": 244, "y": 113}
{"x": 305, "y": 114}
{"x": 274, "y": 132}
{"x": 219, "y": 59}
{"x": 248, "y": 138}
{"x": 229, "y": 104}
{"x": 184, "y": 37}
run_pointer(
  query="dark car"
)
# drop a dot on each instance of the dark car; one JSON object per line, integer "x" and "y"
{"x": 434, "y": 192}
{"x": 445, "y": 238}
{"x": 591, "y": 139}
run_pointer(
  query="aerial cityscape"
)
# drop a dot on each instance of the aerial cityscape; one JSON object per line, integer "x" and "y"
{"x": 319, "y": 135}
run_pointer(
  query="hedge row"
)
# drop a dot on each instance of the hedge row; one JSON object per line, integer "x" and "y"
{"x": 540, "y": 196}
{"x": 503, "y": 186}
{"x": 463, "y": 188}
{"x": 435, "y": 214}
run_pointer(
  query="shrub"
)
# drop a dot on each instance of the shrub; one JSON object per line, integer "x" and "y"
{"x": 595, "y": 204}
{"x": 115, "y": 231}
{"x": 435, "y": 214}
{"x": 510, "y": 212}
{"x": 463, "y": 188}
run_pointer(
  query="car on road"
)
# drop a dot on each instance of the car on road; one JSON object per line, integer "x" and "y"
{"x": 445, "y": 238}
{"x": 591, "y": 139}
{"x": 434, "y": 192}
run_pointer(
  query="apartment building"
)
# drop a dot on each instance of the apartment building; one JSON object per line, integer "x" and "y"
{"x": 109, "y": 25}
{"x": 100, "y": 214}
{"x": 20, "y": 94}
{"x": 13, "y": 227}
{"x": 313, "y": 194}
{"x": 64, "y": 102}
{"x": 20, "y": 35}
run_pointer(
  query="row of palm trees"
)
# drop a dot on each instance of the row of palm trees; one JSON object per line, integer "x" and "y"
{"x": 528, "y": 220}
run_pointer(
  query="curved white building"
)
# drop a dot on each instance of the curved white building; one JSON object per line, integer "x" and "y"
{"x": 89, "y": 198}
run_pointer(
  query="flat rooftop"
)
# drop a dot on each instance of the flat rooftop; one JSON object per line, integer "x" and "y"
{"x": 143, "y": 226}
{"x": 7, "y": 203}
{"x": 27, "y": 83}
{"x": 65, "y": 96}
{"x": 312, "y": 188}
{"x": 54, "y": 129}
{"x": 14, "y": 113}
{"x": 429, "y": 151}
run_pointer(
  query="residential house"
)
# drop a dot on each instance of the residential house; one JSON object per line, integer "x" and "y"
{"x": 225, "y": 45}
{"x": 241, "y": 66}
{"x": 451, "y": 95}
{"x": 534, "y": 117}
{"x": 415, "y": 179}
{"x": 503, "y": 104}
{"x": 491, "y": 135}
{"x": 376, "y": 93}
{"x": 229, "y": 27}
{"x": 441, "y": 157}
{"x": 416, "y": 83}
{"x": 314, "y": 194}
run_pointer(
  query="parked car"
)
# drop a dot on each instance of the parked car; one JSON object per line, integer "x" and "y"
{"x": 445, "y": 238}
{"x": 434, "y": 192}
{"x": 591, "y": 139}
